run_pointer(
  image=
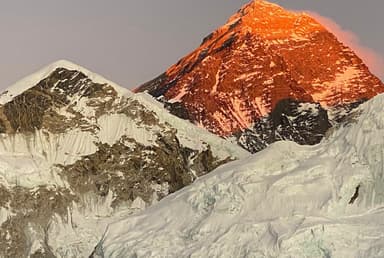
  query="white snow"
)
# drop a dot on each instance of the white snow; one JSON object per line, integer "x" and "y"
{"x": 191, "y": 136}
{"x": 246, "y": 76}
{"x": 286, "y": 201}
{"x": 4, "y": 214}
{"x": 305, "y": 107}
{"x": 217, "y": 81}
{"x": 179, "y": 97}
{"x": 336, "y": 87}
{"x": 77, "y": 234}
{"x": 28, "y": 160}
{"x": 114, "y": 126}
{"x": 33, "y": 79}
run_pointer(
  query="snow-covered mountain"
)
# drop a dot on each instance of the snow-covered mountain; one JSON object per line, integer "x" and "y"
{"x": 77, "y": 152}
{"x": 288, "y": 200}
{"x": 268, "y": 74}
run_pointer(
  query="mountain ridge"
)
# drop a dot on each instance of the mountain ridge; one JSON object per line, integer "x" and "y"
{"x": 242, "y": 70}
{"x": 76, "y": 154}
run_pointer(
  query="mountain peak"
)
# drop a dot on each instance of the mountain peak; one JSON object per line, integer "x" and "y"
{"x": 271, "y": 21}
{"x": 264, "y": 61}
{"x": 33, "y": 79}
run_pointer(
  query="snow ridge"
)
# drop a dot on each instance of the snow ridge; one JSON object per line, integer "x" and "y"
{"x": 286, "y": 201}
{"x": 31, "y": 80}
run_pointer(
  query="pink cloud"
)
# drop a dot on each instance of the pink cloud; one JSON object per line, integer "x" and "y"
{"x": 372, "y": 59}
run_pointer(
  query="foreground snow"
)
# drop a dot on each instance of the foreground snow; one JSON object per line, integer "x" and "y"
{"x": 286, "y": 201}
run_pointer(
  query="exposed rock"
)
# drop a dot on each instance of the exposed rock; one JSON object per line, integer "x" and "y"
{"x": 130, "y": 170}
{"x": 31, "y": 209}
{"x": 136, "y": 111}
{"x": 304, "y": 123}
{"x": 355, "y": 195}
{"x": 262, "y": 56}
{"x": 39, "y": 106}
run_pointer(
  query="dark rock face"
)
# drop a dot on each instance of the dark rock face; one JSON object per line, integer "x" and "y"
{"x": 178, "y": 109}
{"x": 25, "y": 113}
{"x": 154, "y": 84}
{"x": 130, "y": 169}
{"x": 301, "y": 122}
{"x": 35, "y": 108}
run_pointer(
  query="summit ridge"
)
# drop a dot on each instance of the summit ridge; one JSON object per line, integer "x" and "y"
{"x": 271, "y": 21}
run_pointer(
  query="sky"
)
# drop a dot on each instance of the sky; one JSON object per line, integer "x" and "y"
{"x": 132, "y": 41}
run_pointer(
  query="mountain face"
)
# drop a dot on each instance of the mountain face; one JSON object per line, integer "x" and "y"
{"x": 264, "y": 72}
{"x": 77, "y": 152}
{"x": 288, "y": 200}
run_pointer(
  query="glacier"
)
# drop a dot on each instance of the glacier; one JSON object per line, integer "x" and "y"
{"x": 286, "y": 201}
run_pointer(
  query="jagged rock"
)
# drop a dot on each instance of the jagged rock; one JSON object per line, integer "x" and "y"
{"x": 304, "y": 123}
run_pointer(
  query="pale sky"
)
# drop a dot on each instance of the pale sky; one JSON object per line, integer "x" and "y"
{"x": 132, "y": 41}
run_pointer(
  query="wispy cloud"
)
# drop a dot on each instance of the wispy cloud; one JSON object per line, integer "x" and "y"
{"x": 372, "y": 59}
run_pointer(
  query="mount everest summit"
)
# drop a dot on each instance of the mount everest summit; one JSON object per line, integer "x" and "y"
{"x": 268, "y": 74}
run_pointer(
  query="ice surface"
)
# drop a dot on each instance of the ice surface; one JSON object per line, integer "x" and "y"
{"x": 28, "y": 160}
{"x": 286, "y": 201}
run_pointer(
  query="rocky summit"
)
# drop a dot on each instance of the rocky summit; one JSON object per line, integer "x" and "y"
{"x": 267, "y": 70}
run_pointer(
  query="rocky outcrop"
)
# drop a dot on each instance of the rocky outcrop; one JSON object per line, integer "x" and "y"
{"x": 39, "y": 106}
{"x": 131, "y": 170}
{"x": 302, "y": 122}
{"x": 24, "y": 232}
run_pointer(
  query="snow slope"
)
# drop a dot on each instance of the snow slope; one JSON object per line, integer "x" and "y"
{"x": 100, "y": 153}
{"x": 191, "y": 136}
{"x": 27, "y": 160}
{"x": 286, "y": 201}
